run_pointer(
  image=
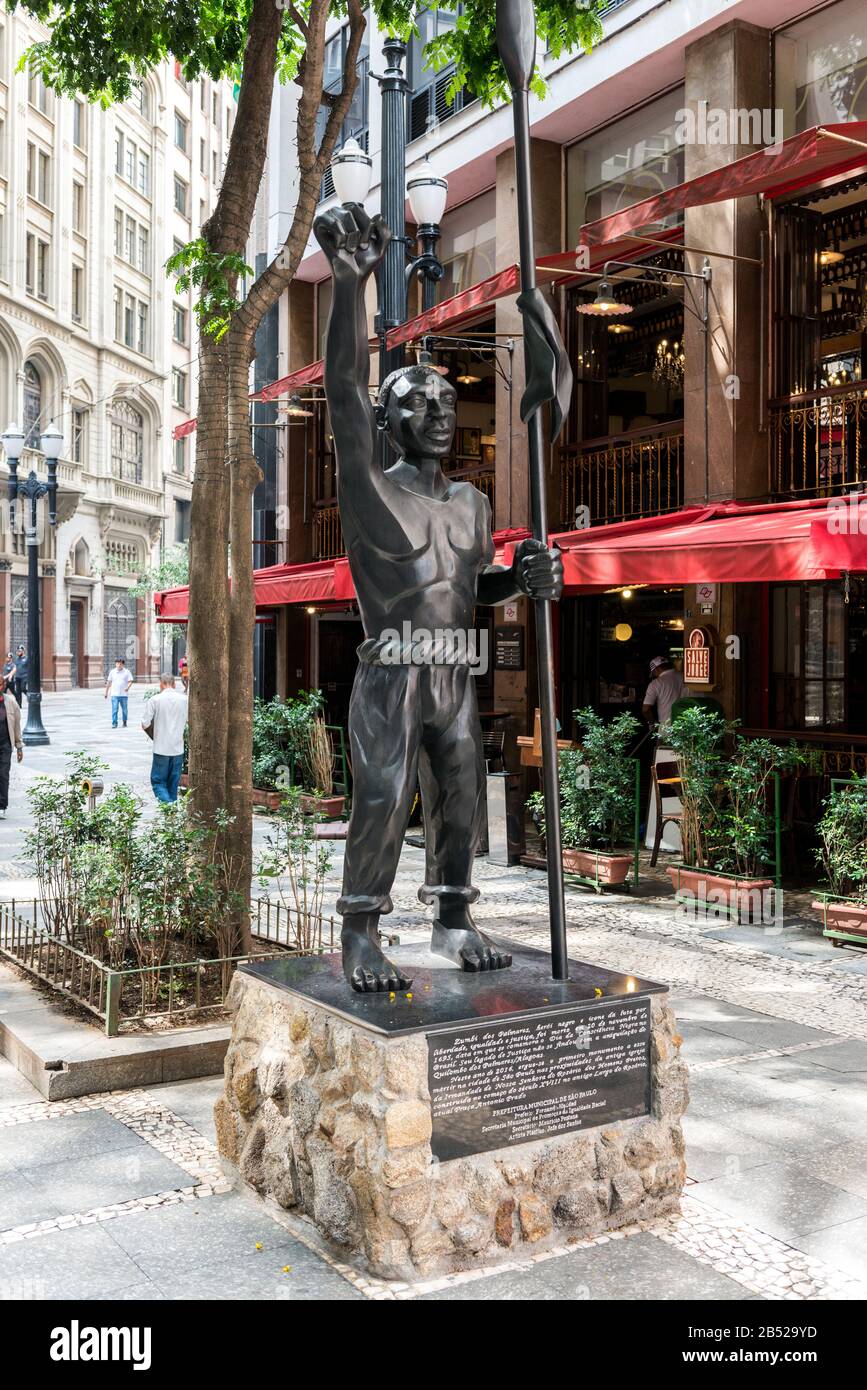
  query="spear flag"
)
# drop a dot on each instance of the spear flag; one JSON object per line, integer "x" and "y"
{"x": 549, "y": 379}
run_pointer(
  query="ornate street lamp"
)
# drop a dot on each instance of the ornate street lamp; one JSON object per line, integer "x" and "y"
{"x": 33, "y": 490}
{"x": 351, "y": 170}
{"x": 427, "y": 194}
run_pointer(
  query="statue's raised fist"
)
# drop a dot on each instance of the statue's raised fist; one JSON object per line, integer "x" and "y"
{"x": 353, "y": 242}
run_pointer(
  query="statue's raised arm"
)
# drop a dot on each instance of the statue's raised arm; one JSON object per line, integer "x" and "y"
{"x": 355, "y": 245}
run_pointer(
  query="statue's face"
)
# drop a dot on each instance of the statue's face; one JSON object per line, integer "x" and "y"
{"x": 421, "y": 414}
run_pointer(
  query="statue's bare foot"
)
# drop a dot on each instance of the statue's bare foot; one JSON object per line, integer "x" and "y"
{"x": 367, "y": 970}
{"x": 468, "y": 947}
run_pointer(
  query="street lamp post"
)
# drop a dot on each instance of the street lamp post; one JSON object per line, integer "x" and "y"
{"x": 351, "y": 170}
{"x": 32, "y": 490}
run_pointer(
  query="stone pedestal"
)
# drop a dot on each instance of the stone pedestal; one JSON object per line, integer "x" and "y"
{"x": 331, "y": 1114}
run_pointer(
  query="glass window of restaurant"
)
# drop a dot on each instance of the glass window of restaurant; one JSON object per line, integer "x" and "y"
{"x": 622, "y": 454}
{"x": 819, "y": 657}
{"x": 817, "y": 417}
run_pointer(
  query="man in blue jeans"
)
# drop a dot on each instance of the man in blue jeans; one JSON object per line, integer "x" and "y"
{"x": 164, "y": 720}
{"x": 117, "y": 685}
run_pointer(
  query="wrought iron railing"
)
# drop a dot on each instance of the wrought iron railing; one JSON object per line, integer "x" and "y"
{"x": 327, "y": 532}
{"x": 818, "y": 442}
{"x": 172, "y": 990}
{"x": 622, "y": 476}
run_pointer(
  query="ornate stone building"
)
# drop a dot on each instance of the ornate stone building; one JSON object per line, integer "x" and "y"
{"x": 94, "y": 339}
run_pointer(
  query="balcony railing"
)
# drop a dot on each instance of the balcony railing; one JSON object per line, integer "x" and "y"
{"x": 328, "y": 535}
{"x": 327, "y": 532}
{"x": 623, "y": 476}
{"x": 819, "y": 441}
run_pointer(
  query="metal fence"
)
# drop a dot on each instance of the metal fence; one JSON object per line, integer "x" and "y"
{"x": 166, "y": 992}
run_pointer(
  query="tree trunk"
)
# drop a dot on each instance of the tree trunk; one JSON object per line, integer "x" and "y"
{"x": 208, "y": 627}
{"x": 244, "y": 474}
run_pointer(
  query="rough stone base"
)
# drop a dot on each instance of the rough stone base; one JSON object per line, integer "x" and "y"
{"x": 333, "y": 1122}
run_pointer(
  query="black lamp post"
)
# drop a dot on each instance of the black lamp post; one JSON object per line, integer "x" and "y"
{"x": 351, "y": 171}
{"x": 33, "y": 490}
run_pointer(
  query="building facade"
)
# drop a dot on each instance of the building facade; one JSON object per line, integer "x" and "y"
{"x": 94, "y": 339}
{"x": 731, "y": 136}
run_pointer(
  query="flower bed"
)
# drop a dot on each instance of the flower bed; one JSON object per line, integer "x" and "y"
{"x": 180, "y": 990}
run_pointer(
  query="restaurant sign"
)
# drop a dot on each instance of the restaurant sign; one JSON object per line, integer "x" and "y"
{"x": 697, "y": 658}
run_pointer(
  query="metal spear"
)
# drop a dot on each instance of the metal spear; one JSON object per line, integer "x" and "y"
{"x": 549, "y": 378}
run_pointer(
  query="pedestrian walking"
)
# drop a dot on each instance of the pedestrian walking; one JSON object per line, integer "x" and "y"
{"x": 10, "y": 737}
{"x": 20, "y": 676}
{"x": 9, "y": 671}
{"x": 164, "y": 720}
{"x": 117, "y": 685}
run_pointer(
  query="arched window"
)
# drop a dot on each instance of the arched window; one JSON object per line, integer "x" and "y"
{"x": 81, "y": 559}
{"x": 127, "y": 442}
{"x": 32, "y": 406}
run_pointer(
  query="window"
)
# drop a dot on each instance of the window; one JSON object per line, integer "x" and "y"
{"x": 129, "y": 320}
{"x": 77, "y": 206}
{"x": 203, "y": 157}
{"x": 37, "y": 92}
{"x": 127, "y": 442}
{"x": 140, "y": 101}
{"x": 180, "y": 452}
{"x": 179, "y": 77}
{"x": 76, "y": 449}
{"x": 179, "y": 324}
{"x": 180, "y": 196}
{"x": 36, "y": 266}
{"x": 118, "y": 232}
{"x": 808, "y": 657}
{"x": 77, "y": 295}
{"x": 181, "y": 131}
{"x": 203, "y": 95}
{"x": 129, "y": 242}
{"x": 142, "y": 327}
{"x": 228, "y": 122}
{"x": 429, "y": 103}
{"x": 215, "y": 108}
{"x": 177, "y": 245}
{"x": 182, "y": 515}
{"x": 79, "y": 125}
{"x": 38, "y": 174}
{"x": 118, "y": 152}
{"x": 179, "y": 387}
{"x": 118, "y": 316}
{"x": 215, "y": 166}
{"x": 32, "y": 405}
{"x": 143, "y": 249}
{"x": 144, "y": 172}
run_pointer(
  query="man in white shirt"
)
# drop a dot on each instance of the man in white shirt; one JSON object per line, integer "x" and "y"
{"x": 164, "y": 720}
{"x": 666, "y": 686}
{"x": 117, "y": 685}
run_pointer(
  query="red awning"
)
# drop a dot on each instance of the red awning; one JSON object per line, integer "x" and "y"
{"x": 310, "y": 375}
{"x": 724, "y": 543}
{"x": 820, "y": 153}
{"x": 322, "y": 581}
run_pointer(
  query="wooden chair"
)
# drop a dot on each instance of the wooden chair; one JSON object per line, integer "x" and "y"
{"x": 664, "y": 775}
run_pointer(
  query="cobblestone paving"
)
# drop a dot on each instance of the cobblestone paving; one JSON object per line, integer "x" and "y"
{"x": 775, "y": 1035}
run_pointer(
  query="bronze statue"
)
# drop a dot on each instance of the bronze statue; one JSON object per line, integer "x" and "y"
{"x": 420, "y": 549}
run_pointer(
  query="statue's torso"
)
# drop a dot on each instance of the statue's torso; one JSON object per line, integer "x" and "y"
{"x": 416, "y": 559}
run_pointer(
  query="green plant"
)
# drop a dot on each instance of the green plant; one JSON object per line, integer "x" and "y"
{"x": 281, "y": 739}
{"x": 60, "y": 824}
{"x": 597, "y": 784}
{"x": 697, "y": 737}
{"x": 318, "y": 764}
{"x": 294, "y": 861}
{"x": 843, "y": 833}
{"x": 747, "y": 821}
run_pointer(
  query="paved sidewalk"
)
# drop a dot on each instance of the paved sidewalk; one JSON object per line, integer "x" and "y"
{"x": 121, "y": 1195}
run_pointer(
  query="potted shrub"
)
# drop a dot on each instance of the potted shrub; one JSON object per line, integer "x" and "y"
{"x": 843, "y": 855}
{"x": 597, "y": 799}
{"x": 726, "y": 825}
{"x": 292, "y": 744}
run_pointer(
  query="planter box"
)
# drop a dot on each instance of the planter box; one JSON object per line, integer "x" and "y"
{"x": 739, "y": 899}
{"x": 843, "y": 919}
{"x": 331, "y": 807}
{"x": 612, "y": 869}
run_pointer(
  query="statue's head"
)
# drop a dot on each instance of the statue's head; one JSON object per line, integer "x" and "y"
{"x": 416, "y": 409}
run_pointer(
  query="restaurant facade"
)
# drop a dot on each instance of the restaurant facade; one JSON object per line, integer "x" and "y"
{"x": 703, "y": 241}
